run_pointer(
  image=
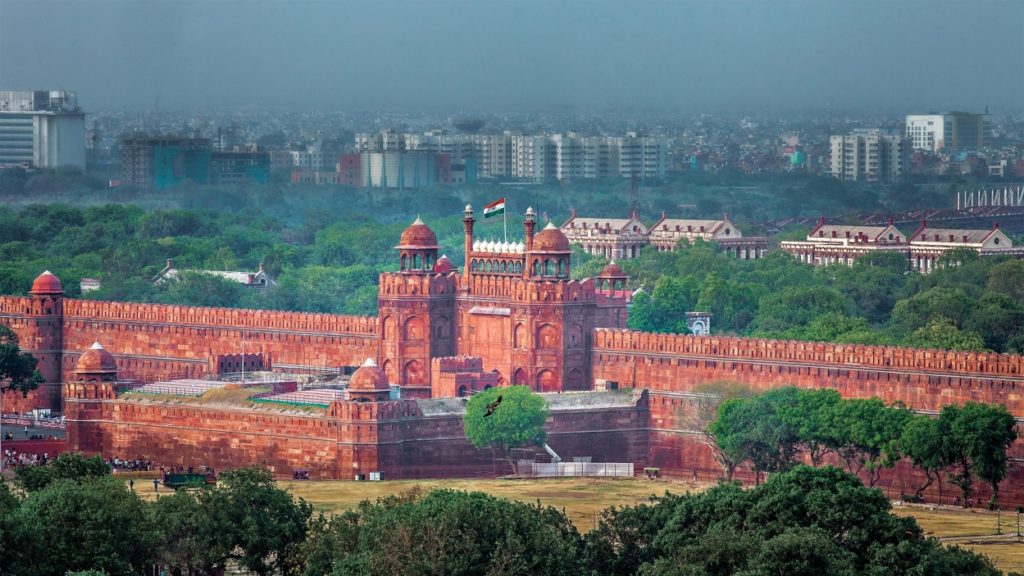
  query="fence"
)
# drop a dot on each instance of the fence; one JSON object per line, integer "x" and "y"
{"x": 609, "y": 469}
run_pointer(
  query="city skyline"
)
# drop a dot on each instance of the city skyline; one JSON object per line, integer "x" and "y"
{"x": 594, "y": 57}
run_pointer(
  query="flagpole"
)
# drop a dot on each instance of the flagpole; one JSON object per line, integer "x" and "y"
{"x": 504, "y": 217}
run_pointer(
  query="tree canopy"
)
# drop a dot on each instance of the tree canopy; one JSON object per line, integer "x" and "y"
{"x": 17, "y": 369}
{"x": 517, "y": 421}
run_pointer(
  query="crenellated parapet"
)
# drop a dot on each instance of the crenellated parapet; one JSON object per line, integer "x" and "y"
{"x": 399, "y": 285}
{"x": 220, "y": 317}
{"x": 447, "y": 364}
{"x": 560, "y": 291}
{"x": 945, "y": 361}
{"x": 15, "y": 305}
{"x": 368, "y": 412}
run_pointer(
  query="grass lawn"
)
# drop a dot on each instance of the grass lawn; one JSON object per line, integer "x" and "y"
{"x": 581, "y": 498}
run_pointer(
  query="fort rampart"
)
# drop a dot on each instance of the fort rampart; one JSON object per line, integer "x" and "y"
{"x": 349, "y": 438}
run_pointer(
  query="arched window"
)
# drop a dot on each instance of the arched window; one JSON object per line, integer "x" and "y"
{"x": 561, "y": 267}
{"x": 415, "y": 261}
{"x": 536, "y": 268}
{"x": 403, "y": 262}
{"x": 549, "y": 268}
{"x": 472, "y": 265}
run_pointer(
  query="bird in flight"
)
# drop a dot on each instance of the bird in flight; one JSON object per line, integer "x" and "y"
{"x": 492, "y": 406}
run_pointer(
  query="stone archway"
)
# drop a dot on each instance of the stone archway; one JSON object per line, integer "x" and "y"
{"x": 547, "y": 381}
{"x": 519, "y": 378}
{"x": 413, "y": 373}
{"x": 575, "y": 380}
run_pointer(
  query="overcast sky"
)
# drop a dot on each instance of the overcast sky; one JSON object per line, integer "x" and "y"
{"x": 596, "y": 55}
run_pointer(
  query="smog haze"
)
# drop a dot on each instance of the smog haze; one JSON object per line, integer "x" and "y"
{"x": 522, "y": 56}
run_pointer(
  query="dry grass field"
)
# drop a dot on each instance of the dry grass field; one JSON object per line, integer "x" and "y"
{"x": 581, "y": 498}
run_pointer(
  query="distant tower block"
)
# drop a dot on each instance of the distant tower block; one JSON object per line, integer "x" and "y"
{"x": 699, "y": 323}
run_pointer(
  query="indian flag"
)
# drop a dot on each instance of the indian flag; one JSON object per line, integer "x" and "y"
{"x": 495, "y": 208}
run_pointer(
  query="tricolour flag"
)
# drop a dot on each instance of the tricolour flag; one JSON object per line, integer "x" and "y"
{"x": 495, "y": 208}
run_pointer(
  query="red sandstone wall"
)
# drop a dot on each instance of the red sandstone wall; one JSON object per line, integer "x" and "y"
{"x": 921, "y": 379}
{"x": 152, "y": 341}
{"x": 392, "y": 437}
{"x": 678, "y": 452}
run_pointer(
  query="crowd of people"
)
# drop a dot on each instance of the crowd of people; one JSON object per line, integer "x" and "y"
{"x": 15, "y": 458}
{"x": 126, "y": 465}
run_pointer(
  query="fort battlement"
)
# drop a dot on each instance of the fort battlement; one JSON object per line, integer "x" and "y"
{"x": 560, "y": 291}
{"x": 15, "y": 305}
{"x": 221, "y": 317}
{"x": 451, "y": 364}
{"x": 825, "y": 354}
{"x": 398, "y": 284}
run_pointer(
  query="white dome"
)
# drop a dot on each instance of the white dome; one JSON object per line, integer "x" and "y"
{"x": 476, "y": 246}
{"x": 520, "y": 248}
{"x": 491, "y": 246}
{"x": 504, "y": 247}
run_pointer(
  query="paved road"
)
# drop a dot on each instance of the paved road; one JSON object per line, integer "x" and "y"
{"x": 19, "y": 431}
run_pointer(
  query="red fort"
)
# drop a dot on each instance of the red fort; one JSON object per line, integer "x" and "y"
{"x": 512, "y": 315}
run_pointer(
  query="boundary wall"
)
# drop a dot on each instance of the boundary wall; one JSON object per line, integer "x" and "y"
{"x": 392, "y": 437}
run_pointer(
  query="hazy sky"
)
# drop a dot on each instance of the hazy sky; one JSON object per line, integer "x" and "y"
{"x": 596, "y": 55}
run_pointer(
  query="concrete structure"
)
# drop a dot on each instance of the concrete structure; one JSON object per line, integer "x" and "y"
{"x": 534, "y": 157}
{"x": 926, "y": 132}
{"x": 869, "y": 156}
{"x": 952, "y": 131}
{"x": 159, "y": 162}
{"x": 623, "y": 238}
{"x": 237, "y": 167}
{"x": 41, "y": 129}
{"x": 966, "y": 131}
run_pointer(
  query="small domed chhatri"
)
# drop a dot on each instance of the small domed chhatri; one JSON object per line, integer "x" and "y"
{"x": 418, "y": 235}
{"x": 550, "y": 239}
{"x": 369, "y": 377}
{"x": 96, "y": 361}
{"x": 612, "y": 270}
{"x": 47, "y": 283}
{"x": 369, "y": 383}
{"x": 444, "y": 265}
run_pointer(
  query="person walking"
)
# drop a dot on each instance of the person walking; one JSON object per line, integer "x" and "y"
{"x": 131, "y": 485}
{"x": 156, "y": 485}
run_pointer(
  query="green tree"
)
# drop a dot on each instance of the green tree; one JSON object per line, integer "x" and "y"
{"x": 813, "y": 419}
{"x": 252, "y": 521}
{"x": 700, "y": 412}
{"x": 457, "y": 533}
{"x": 623, "y": 540}
{"x": 796, "y": 307}
{"x": 67, "y": 466}
{"x": 517, "y": 421}
{"x": 756, "y": 429}
{"x": 941, "y": 333}
{"x": 181, "y": 532}
{"x": 976, "y": 438}
{"x": 803, "y": 521}
{"x": 110, "y": 530}
{"x": 1007, "y": 278}
{"x": 870, "y": 435}
{"x": 922, "y": 441}
{"x": 17, "y": 369}
{"x": 922, "y": 308}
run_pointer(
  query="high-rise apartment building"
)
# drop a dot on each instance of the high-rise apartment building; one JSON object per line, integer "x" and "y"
{"x": 966, "y": 131}
{"x": 869, "y": 156}
{"x": 926, "y": 132}
{"x": 952, "y": 131}
{"x": 534, "y": 157}
{"x": 41, "y": 129}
